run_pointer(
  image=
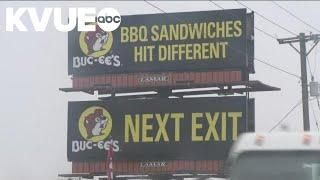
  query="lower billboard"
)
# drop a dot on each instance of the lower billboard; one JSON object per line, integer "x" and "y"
{"x": 155, "y": 129}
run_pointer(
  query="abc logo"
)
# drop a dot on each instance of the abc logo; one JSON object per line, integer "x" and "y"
{"x": 108, "y": 19}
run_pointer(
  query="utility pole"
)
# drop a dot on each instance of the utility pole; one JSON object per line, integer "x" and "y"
{"x": 302, "y": 39}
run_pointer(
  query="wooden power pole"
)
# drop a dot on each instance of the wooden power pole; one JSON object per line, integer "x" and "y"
{"x": 302, "y": 39}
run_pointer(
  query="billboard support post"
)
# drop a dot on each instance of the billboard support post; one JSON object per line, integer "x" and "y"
{"x": 110, "y": 163}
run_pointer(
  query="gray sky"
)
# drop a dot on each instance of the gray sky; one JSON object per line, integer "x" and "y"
{"x": 33, "y": 130}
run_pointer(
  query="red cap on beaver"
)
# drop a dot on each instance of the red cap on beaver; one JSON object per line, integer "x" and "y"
{"x": 90, "y": 35}
{"x": 90, "y": 117}
{"x": 98, "y": 112}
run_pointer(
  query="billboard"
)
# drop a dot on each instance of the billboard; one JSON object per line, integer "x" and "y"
{"x": 186, "y": 41}
{"x": 155, "y": 129}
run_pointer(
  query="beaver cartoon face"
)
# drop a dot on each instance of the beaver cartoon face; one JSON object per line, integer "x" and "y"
{"x": 96, "y": 39}
{"x": 95, "y": 123}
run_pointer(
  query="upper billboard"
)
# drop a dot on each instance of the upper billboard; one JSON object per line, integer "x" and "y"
{"x": 155, "y": 129}
{"x": 188, "y": 41}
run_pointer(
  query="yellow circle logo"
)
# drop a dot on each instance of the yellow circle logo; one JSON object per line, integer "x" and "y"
{"x": 95, "y": 124}
{"x": 95, "y": 43}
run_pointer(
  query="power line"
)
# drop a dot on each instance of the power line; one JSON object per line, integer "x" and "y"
{"x": 318, "y": 103}
{"x": 282, "y": 70}
{"x": 158, "y": 8}
{"x": 259, "y": 29}
{"x": 264, "y": 32}
{"x": 259, "y": 60}
{"x": 312, "y": 73}
{"x": 265, "y": 18}
{"x": 315, "y": 59}
{"x": 293, "y": 15}
{"x": 271, "y": 36}
{"x": 288, "y": 113}
{"x": 154, "y": 6}
{"x": 216, "y": 4}
{"x": 315, "y": 118}
{"x": 312, "y": 76}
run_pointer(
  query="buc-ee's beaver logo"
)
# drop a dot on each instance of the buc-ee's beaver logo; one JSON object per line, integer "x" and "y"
{"x": 95, "y": 125}
{"x": 96, "y": 43}
{"x": 96, "y": 47}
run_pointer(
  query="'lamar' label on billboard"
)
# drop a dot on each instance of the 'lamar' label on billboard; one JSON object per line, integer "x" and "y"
{"x": 162, "y": 42}
{"x": 155, "y": 129}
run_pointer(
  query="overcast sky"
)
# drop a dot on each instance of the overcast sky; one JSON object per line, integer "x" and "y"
{"x": 33, "y": 130}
